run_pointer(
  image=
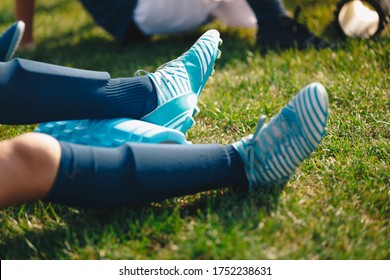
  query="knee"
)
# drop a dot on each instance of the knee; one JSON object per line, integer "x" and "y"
{"x": 28, "y": 168}
{"x": 22, "y": 150}
{"x": 35, "y": 150}
{"x": 36, "y": 158}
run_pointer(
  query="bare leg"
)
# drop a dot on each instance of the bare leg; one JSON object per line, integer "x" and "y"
{"x": 24, "y": 10}
{"x": 28, "y": 167}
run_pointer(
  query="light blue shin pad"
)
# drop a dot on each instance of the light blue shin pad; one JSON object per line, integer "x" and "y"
{"x": 111, "y": 132}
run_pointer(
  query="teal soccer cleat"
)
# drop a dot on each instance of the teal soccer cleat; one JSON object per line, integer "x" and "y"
{"x": 10, "y": 40}
{"x": 273, "y": 152}
{"x": 110, "y": 132}
{"x": 180, "y": 82}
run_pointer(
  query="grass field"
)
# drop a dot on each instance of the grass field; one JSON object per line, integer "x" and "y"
{"x": 337, "y": 205}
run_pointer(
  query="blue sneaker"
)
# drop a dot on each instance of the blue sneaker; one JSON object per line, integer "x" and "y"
{"x": 180, "y": 82}
{"x": 273, "y": 152}
{"x": 10, "y": 40}
{"x": 111, "y": 132}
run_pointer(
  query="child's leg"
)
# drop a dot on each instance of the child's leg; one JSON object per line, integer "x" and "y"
{"x": 235, "y": 13}
{"x": 278, "y": 30}
{"x": 34, "y": 166}
{"x": 24, "y": 11}
{"x": 141, "y": 173}
{"x": 32, "y": 92}
{"x": 28, "y": 167}
{"x": 268, "y": 12}
{"x": 136, "y": 174}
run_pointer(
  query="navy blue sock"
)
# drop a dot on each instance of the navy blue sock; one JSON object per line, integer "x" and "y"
{"x": 136, "y": 174}
{"x": 268, "y": 12}
{"x": 32, "y": 92}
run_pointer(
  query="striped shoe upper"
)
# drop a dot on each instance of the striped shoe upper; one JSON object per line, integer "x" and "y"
{"x": 273, "y": 152}
{"x": 171, "y": 81}
{"x": 180, "y": 82}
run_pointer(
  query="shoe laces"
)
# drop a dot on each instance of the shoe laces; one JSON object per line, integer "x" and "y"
{"x": 141, "y": 72}
{"x": 282, "y": 131}
{"x": 166, "y": 70}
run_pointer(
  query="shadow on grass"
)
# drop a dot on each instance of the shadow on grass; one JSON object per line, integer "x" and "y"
{"x": 80, "y": 229}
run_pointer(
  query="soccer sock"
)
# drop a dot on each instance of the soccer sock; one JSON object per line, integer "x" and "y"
{"x": 268, "y": 12}
{"x": 32, "y": 92}
{"x": 136, "y": 174}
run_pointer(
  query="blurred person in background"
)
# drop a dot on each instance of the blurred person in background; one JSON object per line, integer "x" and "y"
{"x": 137, "y": 20}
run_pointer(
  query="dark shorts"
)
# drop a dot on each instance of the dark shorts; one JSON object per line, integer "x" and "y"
{"x": 116, "y": 17}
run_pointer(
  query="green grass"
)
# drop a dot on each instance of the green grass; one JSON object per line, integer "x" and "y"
{"x": 335, "y": 207}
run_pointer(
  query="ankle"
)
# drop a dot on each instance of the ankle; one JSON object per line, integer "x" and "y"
{"x": 238, "y": 174}
{"x": 131, "y": 97}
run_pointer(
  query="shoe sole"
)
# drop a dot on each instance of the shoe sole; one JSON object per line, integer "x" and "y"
{"x": 110, "y": 133}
